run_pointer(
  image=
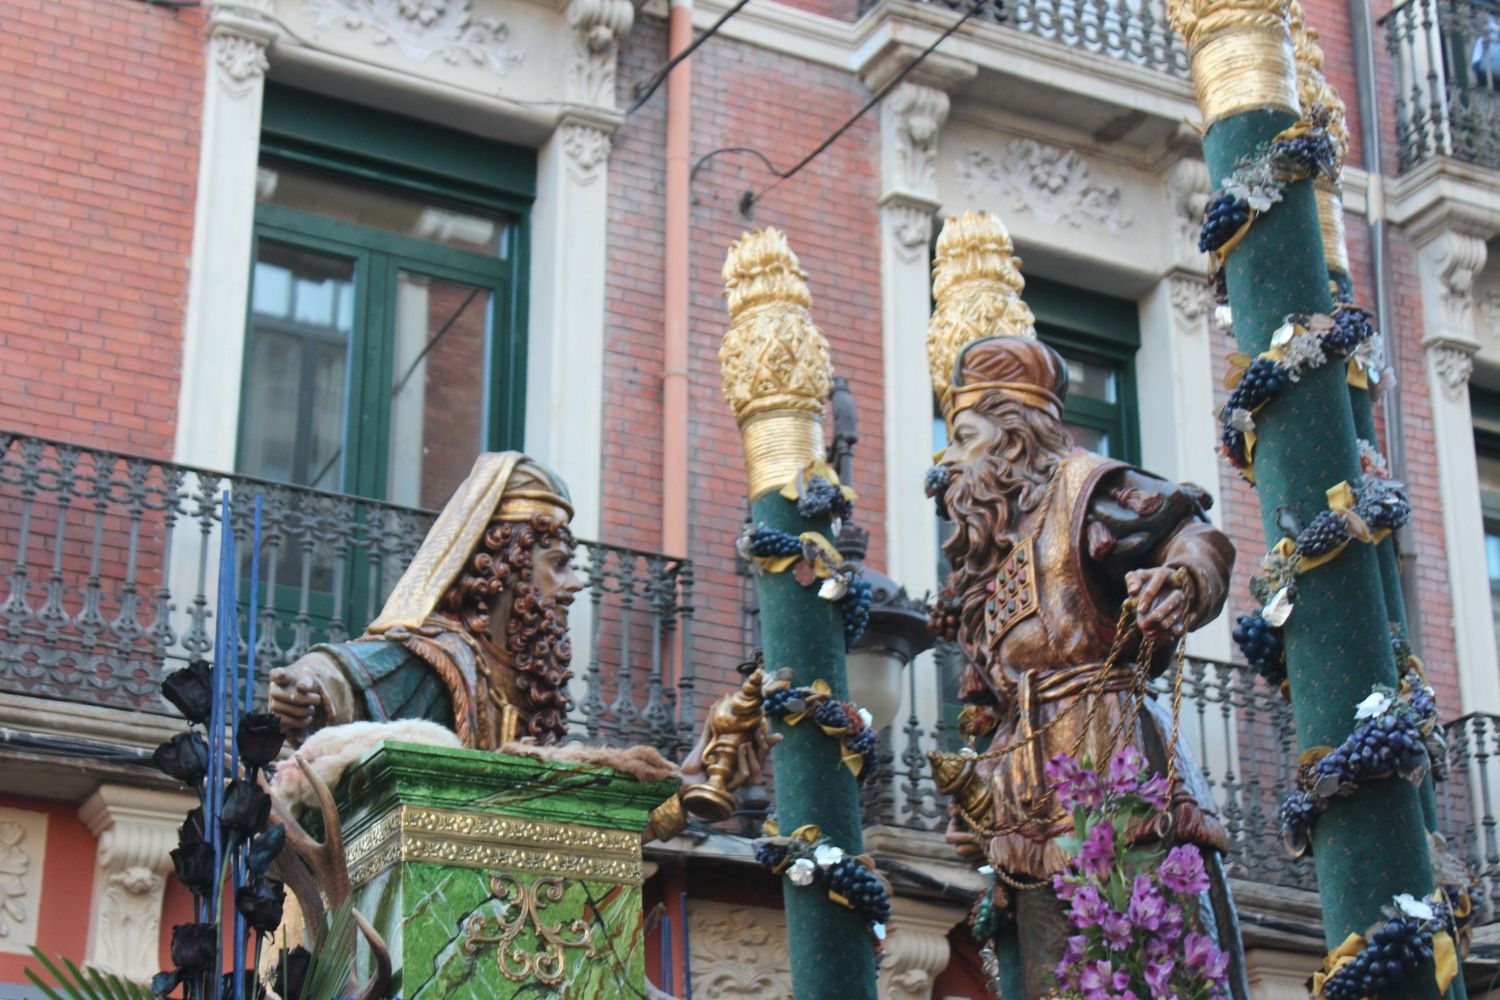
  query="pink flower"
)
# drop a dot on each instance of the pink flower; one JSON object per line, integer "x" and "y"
{"x": 1200, "y": 953}
{"x": 1125, "y": 771}
{"x": 1075, "y": 786}
{"x": 1097, "y": 856}
{"x": 1156, "y": 792}
{"x": 1116, "y": 931}
{"x": 1159, "y": 978}
{"x": 1147, "y": 909}
{"x": 1183, "y": 872}
{"x": 1088, "y": 908}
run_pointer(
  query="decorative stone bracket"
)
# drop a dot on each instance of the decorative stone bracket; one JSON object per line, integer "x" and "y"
{"x": 917, "y": 949}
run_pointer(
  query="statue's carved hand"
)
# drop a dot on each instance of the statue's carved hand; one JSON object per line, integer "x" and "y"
{"x": 1161, "y": 601}
{"x": 966, "y": 843}
{"x": 749, "y": 755}
{"x": 297, "y": 700}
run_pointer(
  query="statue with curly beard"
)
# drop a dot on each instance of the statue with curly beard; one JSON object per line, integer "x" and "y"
{"x": 1048, "y": 541}
{"x": 474, "y": 636}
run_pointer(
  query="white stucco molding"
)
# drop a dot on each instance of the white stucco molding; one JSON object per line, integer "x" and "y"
{"x": 136, "y": 829}
{"x": 916, "y": 947}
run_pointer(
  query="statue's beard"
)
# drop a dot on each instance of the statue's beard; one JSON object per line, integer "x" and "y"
{"x": 536, "y": 636}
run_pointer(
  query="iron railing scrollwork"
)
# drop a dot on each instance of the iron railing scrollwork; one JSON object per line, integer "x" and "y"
{"x": 1447, "y": 63}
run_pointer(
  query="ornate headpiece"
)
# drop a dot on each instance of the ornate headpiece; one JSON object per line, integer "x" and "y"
{"x": 777, "y": 373}
{"x": 502, "y": 486}
{"x": 1241, "y": 54}
{"x": 976, "y": 285}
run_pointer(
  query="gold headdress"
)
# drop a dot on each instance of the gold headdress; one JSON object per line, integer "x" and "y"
{"x": 505, "y": 486}
{"x": 1241, "y": 54}
{"x": 777, "y": 373}
{"x": 976, "y": 284}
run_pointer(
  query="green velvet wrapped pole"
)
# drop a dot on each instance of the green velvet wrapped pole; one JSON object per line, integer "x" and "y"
{"x": 1373, "y": 845}
{"x": 832, "y": 954}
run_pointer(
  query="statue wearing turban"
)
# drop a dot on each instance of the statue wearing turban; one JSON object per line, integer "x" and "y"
{"x": 474, "y": 636}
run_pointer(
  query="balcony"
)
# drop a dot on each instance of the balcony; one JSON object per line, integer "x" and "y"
{"x": 109, "y": 567}
{"x": 1447, "y": 56}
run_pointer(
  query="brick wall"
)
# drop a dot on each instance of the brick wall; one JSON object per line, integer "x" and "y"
{"x": 100, "y": 117}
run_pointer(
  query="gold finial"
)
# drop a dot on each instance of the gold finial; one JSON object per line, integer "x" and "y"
{"x": 1241, "y": 53}
{"x": 976, "y": 285}
{"x": 777, "y": 373}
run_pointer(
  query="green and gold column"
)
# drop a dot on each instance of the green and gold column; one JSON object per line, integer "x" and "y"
{"x": 1373, "y": 845}
{"x": 777, "y": 376}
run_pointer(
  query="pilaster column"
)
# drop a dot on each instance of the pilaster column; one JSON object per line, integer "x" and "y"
{"x": 213, "y": 336}
{"x": 137, "y": 829}
{"x": 1448, "y": 262}
{"x": 916, "y": 947}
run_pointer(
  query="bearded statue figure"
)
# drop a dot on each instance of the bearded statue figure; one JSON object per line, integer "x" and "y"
{"x": 474, "y": 636}
{"x": 1047, "y": 542}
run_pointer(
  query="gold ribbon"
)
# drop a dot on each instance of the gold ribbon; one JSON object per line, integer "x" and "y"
{"x": 825, "y": 559}
{"x": 1244, "y": 68}
{"x": 818, "y": 469}
{"x": 1341, "y": 499}
{"x": 821, "y": 692}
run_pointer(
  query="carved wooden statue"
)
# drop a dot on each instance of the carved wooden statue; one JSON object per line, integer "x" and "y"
{"x": 1048, "y": 540}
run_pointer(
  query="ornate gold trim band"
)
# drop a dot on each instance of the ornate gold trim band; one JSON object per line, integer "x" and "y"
{"x": 478, "y": 840}
{"x": 1331, "y": 222}
{"x": 778, "y": 445}
{"x": 1244, "y": 68}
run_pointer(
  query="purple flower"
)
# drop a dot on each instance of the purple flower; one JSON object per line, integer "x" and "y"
{"x": 1075, "y": 786}
{"x": 1125, "y": 771}
{"x": 1116, "y": 931}
{"x": 1064, "y": 888}
{"x": 1088, "y": 908}
{"x": 1159, "y": 977}
{"x": 1147, "y": 909}
{"x": 1097, "y": 856}
{"x": 1100, "y": 978}
{"x": 1158, "y": 949}
{"x": 1071, "y": 959}
{"x": 1156, "y": 792}
{"x": 1199, "y": 952}
{"x": 1170, "y": 931}
{"x": 1183, "y": 872}
{"x": 1126, "y": 995}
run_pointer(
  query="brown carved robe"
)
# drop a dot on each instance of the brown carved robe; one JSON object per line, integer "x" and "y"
{"x": 1050, "y": 626}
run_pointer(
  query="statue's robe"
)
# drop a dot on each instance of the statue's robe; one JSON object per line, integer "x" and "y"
{"x": 1050, "y": 626}
{"x": 441, "y": 672}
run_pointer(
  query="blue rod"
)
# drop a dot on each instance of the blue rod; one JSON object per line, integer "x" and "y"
{"x": 254, "y": 604}
{"x": 238, "y": 864}
{"x": 667, "y": 979}
{"x": 226, "y": 653}
{"x": 687, "y": 953}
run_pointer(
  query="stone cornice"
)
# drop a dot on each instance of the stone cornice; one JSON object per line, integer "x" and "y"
{"x": 1445, "y": 195}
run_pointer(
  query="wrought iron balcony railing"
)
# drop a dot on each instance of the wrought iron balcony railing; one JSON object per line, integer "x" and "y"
{"x": 1241, "y": 732}
{"x": 108, "y": 579}
{"x": 1131, "y": 31}
{"x": 1447, "y": 55}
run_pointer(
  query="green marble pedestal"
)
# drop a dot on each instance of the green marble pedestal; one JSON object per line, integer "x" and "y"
{"x": 493, "y": 876}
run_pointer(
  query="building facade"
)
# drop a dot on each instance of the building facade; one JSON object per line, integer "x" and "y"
{"x": 325, "y": 250}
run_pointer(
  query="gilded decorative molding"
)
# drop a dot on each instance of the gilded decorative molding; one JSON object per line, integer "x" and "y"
{"x": 738, "y": 952}
{"x": 976, "y": 285}
{"x": 482, "y": 840}
{"x": 598, "y": 27}
{"x": 15, "y": 867}
{"x": 587, "y": 147}
{"x": 1241, "y": 53}
{"x": 914, "y": 116}
{"x": 776, "y": 368}
{"x": 1052, "y": 183}
{"x": 421, "y": 29}
{"x": 525, "y": 905}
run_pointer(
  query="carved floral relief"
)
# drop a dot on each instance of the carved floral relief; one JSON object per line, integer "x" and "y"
{"x": 738, "y": 952}
{"x": 421, "y": 29}
{"x": 1051, "y": 183}
{"x": 23, "y": 839}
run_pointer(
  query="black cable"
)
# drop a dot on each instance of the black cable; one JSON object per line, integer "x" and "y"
{"x": 750, "y": 199}
{"x": 61, "y": 746}
{"x": 646, "y": 88}
{"x": 173, "y": 4}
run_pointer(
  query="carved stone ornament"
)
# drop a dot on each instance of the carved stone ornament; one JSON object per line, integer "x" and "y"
{"x": 1190, "y": 298}
{"x": 23, "y": 844}
{"x": 598, "y": 27}
{"x": 1453, "y": 364}
{"x": 915, "y": 116}
{"x": 911, "y": 228}
{"x": 587, "y": 148}
{"x": 1187, "y": 197}
{"x": 1450, "y": 263}
{"x": 738, "y": 952}
{"x": 1053, "y": 184}
{"x": 422, "y": 29}
{"x": 240, "y": 59}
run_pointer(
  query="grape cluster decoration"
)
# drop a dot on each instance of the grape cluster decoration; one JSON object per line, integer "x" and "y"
{"x": 811, "y": 557}
{"x": 852, "y": 725}
{"x": 1260, "y": 642}
{"x": 822, "y": 498}
{"x": 851, "y": 881}
{"x": 1386, "y": 955}
{"x": 1396, "y": 733}
{"x": 935, "y": 486}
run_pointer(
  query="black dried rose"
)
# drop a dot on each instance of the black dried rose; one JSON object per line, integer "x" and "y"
{"x": 260, "y": 902}
{"x": 193, "y": 946}
{"x": 165, "y": 982}
{"x": 291, "y": 972}
{"x": 191, "y": 830}
{"x": 195, "y": 867}
{"x": 184, "y": 757}
{"x": 191, "y": 690}
{"x": 259, "y": 739}
{"x": 266, "y": 848}
{"x": 246, "y": 808}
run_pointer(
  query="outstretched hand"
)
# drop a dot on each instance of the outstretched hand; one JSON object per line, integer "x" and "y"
{"x": 297, "y": 701}
{"x": 1161, "y": 601}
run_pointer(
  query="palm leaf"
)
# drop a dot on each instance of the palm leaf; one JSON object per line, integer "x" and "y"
{"x": 83, "y": 984}
{"x": 332, "y": 956}
{"x": 58, "y": 977}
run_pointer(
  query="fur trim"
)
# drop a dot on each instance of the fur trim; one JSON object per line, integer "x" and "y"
{"x": 330, "y": 751}
{"x": 642, "y": 763}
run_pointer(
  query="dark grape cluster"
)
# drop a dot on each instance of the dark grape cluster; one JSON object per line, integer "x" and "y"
{"x": 1223, "y": 218}
{"x": 820, "y": 497}
{"x": 856, "y": 608}
{"x": 1392, "y": 952}
{"x": 943, "y": 616}
{"x": 831, "y": 713}
{"x": 1260, "y": 641}
{"x": 1383, "y": 507}
{"x": 1262, "y": 380}
{"x": 770, "y": 853}
{"x": 1351, "y": 327}
{"x": 1378, "y": 746}
{"x": 1298, "y": 813}
{"x": 1306, "y": 155}
{"x": 860, "y": 887}
{"x": 1326, "y": 532}
{"x": 1233, "y": 443}
{"x": 777, "y": 704}
{"x": 867, "y": 744}
{"x": 1422, "y": 701}
{"x": 935, "y": 485}
{"x": 768, "y": 542}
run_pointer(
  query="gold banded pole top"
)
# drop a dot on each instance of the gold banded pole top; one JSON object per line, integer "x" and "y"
{"x": 777, "y": 372}
{"x": 1241, "y": 53}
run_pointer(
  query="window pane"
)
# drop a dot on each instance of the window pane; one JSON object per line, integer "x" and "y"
{"x": 1090, "y": 438}
{"x": 438, "y": 400}
{"x": 404, "y": 214}
{"x": 1090, "y": 378}
{"x": 292, "y": 420}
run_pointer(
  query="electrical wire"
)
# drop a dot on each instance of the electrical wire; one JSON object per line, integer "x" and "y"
{"x": 750, "y": 198}
{"x": 72, "y": 748}
{"x": 649, "y": 86}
